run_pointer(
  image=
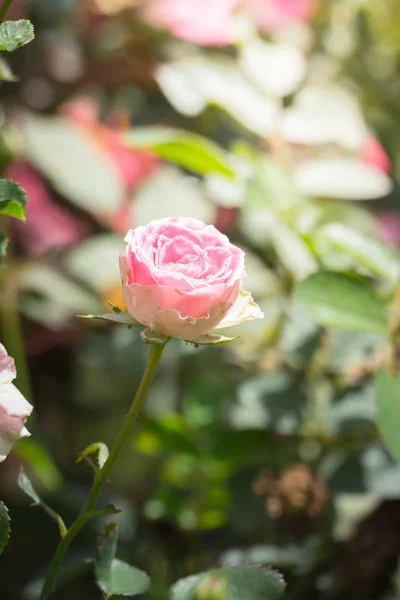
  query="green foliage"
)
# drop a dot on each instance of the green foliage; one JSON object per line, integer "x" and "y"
{"x": 14, "y": 34}
{"x": 363, "y": 250}
{"x": 4, "y": 526}
{"x": 12, "y": 199}
{"x": 342, "y": 301}
{"x": 231, "y": 583}
{"x": 27, "y": 487}
{"x": 388, "y": 406}
{"x": 188, "y": 150}
{"x": 116, "y": 577}
{"x": 84, "y": 175}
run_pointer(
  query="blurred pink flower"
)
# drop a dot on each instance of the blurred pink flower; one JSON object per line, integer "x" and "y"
{"x": 133, "y": 166}
{"x": 203, "y": 22}
{"x": 271, "y": 15}
{"x": 48, "y": 225}
{"x": 388, "y": 227}
{"x": 373, "y": 153}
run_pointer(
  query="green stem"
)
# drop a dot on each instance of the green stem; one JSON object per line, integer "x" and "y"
{"x": 4, "y": 8}
{"x": 102, "y": 474}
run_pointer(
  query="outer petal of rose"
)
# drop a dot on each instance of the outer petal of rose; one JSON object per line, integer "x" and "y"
{"x": 244, "y": 309}
{"x": 7, "y": 366}
{"x": 14, "y": 410}
{"x": 143, "y": 306}
{"x": 170, "y": 323}
{"x": 144, "y": 301}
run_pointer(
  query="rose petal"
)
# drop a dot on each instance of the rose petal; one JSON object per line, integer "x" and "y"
{"x": 7, "y": 366}
{"x": 14, "y": 410}
{"x": 244, "y": 309}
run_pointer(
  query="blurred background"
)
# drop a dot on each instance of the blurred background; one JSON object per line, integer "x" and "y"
{"x": 279, "y": 122}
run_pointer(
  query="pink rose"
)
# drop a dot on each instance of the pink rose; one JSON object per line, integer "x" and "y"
{"x": 14, "y": 409}
{"x": 182, "y": 279}
{"x": 272, "y": 15}
{"x": 204, "y": 22}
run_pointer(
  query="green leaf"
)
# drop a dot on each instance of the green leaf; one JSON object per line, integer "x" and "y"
{"x": 27, "y": 487}
{"x": 123, "y": 318}
{"x": 363, "y": 250}
{"x": 341, "y": 301}
{"x": 4, "y": 526}
{"x": 231, "y": 583}
{"x": 5, "y": 72}
{"x": 188, "y": 150}
{"x": 96, "y": 448}
{"x": 113, "y": 576}
{"x": 12, "y": 199}
{"x": 388, "y": 406}
{"x": 14, "y": 34}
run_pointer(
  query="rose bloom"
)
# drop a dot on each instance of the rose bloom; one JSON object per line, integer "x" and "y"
{"x": 182, "y": 278}
{"x": 204, "y": 22}
{"x": 14, "y": 409}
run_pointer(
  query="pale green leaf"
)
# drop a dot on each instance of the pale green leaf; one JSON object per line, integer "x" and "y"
{"x": 363, "y": 250}
{"x": 76, "y": 166}
{"x": 341, "y": 301}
